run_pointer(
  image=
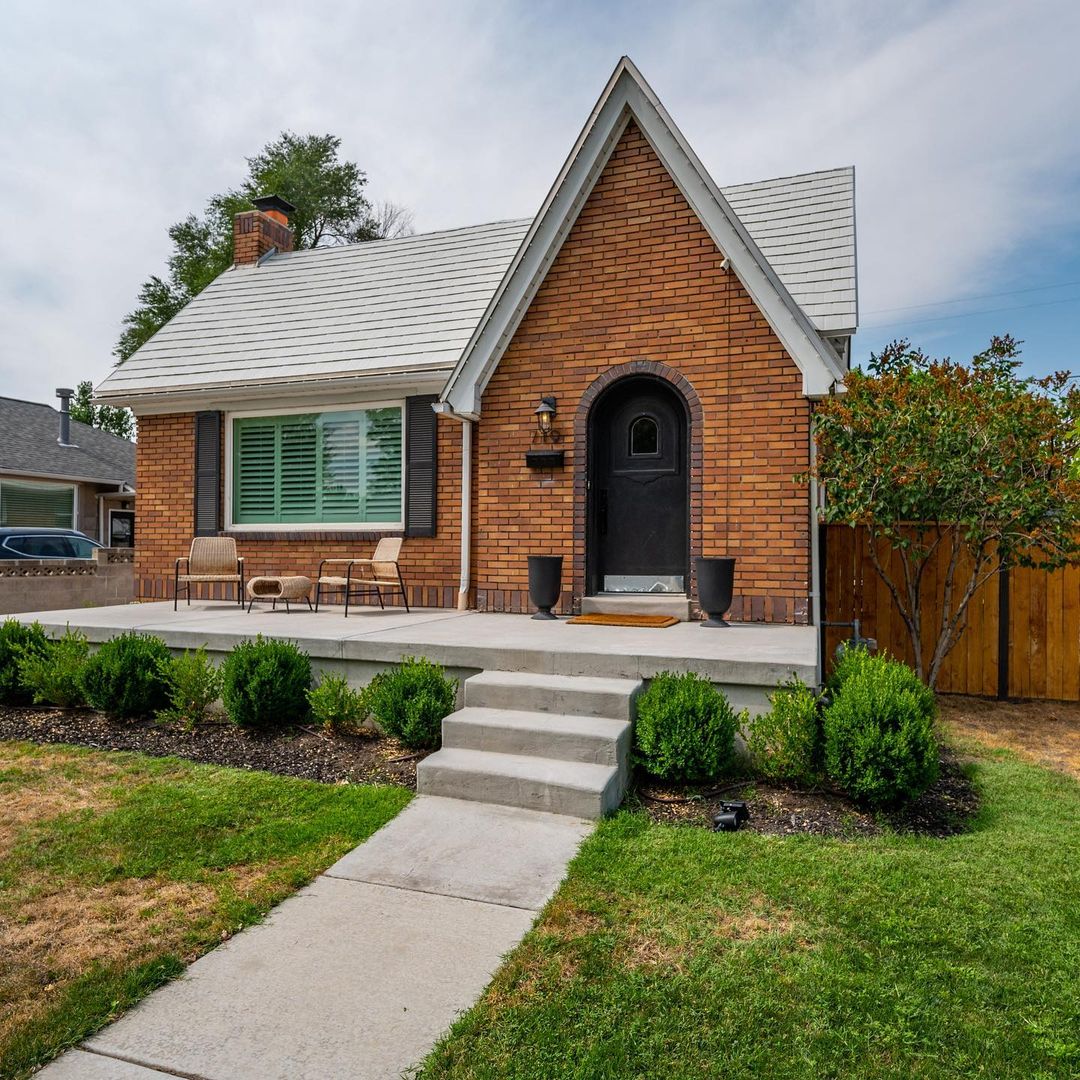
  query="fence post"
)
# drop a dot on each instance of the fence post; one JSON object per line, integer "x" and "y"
{"x": 1003, "y": 634}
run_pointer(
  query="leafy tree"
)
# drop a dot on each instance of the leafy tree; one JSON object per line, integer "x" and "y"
{"x": 331, "y": 208}
{"x": 119, "y": 422}
{"x": 968, "y": 463}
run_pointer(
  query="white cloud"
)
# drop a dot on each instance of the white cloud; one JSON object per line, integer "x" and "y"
{"x": 120, "y": 119}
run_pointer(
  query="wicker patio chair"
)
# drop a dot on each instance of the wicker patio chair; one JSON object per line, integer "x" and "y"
{"x": 380, "y": 572}
{"x": 212, "y": 558}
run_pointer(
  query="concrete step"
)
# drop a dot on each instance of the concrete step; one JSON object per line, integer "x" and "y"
{"x": 558, "y": 787}
{"x": 576, "y": 695}
{"x": 593, "y": 739}
{"x": 677, "y": 604}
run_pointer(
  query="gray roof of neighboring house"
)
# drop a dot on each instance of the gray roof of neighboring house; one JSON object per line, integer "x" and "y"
{"x": 28, "y": 446}
{"x": 410, "y": 305}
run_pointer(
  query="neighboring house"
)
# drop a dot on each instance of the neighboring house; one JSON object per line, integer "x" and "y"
{"x": 309, "y": 402}
{"x": 60, "y": 473}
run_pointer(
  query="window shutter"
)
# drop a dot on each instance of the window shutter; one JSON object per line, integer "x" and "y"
{"x": 382, "y": 465}
{"x": 29, "y": 504}
{"x": 207, "y": 473}
{"x": 421, "y": 465}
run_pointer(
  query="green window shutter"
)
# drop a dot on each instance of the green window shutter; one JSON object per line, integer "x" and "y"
{"x": 255, "y": 470}
{"x": 298, "y": 471}
{"x": 342, "y": 482}
{"x": 382, "y": 465}
{"x": 36, "y": 505}
{"x": 336, "y": 467}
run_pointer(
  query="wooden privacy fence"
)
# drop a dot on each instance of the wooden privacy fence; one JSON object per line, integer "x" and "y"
{"x": 1031, "y": 652}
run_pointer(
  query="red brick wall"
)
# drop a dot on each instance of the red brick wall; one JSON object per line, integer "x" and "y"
{"x": 638, "y": 283}
{"x": 165, "y": 481}
{"x": 636, "y": 286}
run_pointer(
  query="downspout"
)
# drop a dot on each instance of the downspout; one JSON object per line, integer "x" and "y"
{"x": 815, "y": 566}
{"x": 464, "y": 580}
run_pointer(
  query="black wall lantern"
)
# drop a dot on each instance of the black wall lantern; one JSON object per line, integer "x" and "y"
{"x": 545, "y": 419}
{"x": 545, "y": 414}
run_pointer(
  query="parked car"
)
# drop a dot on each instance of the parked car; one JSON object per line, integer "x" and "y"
{"x": 30, "y": 543}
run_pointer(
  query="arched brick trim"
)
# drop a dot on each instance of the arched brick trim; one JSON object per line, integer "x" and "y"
{"x": 581, "y": 466}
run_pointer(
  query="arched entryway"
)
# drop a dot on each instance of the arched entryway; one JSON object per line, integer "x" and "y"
{"x": 638, "y": 491}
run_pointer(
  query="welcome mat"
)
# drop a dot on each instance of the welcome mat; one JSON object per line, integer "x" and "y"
{"x": 658, "y": 622}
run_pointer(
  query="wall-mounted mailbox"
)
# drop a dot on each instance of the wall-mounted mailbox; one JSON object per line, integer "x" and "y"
{"x": 545, "y": 459}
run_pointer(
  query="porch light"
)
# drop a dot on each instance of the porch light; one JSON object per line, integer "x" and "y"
{"x": 545, "y": 414}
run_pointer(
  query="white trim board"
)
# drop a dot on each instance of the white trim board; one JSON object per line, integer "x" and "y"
{"x": 628, "y": 96}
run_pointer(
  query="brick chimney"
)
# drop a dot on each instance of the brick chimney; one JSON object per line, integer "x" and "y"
{"x": 259, "y": 231}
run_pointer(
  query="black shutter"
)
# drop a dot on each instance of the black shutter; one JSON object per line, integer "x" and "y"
{"x": 207, "y": 473}
{"x": 421, "y": 465}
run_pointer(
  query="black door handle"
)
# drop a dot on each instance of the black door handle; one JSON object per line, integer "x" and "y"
{"x": 602, "y": 511}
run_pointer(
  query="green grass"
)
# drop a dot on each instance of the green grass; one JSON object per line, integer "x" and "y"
{"x": 675, "y": 952}
{"x": 116, "y": 870}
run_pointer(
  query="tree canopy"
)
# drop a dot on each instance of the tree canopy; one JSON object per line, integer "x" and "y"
{"x": 115, "y": 421}
{"x": 970, "y": 463}
{"x": 332, "y": 207}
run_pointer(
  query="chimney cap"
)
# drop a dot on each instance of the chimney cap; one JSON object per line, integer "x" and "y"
{"x": 273, "y": 202}
{"x": 62, "y": 392}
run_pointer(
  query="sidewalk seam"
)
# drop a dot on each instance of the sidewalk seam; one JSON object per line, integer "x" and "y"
{"x": 430, "y": 892}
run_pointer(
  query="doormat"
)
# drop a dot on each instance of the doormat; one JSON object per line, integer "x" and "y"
{"x": 658, "y": 622}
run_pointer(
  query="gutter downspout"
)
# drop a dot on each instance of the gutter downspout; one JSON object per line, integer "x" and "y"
{"x": 815, "y": 567}
{"x": 465, "y": 578}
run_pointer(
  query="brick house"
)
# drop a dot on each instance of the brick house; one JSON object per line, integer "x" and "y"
{"x": 675, "y": 334}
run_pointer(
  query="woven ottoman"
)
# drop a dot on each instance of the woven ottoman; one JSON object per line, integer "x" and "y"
{"x": 285, "y": 588}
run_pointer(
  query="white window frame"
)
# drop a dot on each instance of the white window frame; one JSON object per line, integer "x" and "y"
{"x": 34, "y": 482}
{"x": 231, "y": 525}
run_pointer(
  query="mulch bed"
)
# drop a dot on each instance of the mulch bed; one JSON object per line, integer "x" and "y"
{"x": 308, "y": 753}
{"x": 783, "y": 810}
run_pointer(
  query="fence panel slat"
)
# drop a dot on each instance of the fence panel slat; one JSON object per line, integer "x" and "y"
{"x": 1044, "y": 623}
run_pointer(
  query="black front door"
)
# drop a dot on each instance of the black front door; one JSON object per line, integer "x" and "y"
{"x": 638, "y": 489}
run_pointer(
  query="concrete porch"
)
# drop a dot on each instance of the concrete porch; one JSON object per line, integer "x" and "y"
{"x": 746, "y": 660}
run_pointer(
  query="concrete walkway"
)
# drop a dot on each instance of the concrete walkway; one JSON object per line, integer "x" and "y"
{"x": 358, "y": 975}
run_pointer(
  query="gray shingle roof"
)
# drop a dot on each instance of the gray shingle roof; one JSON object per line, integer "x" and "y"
{"x": 28, "y": 445}
{"x": 410, "y": 305}
{"x": 805, "y": 227}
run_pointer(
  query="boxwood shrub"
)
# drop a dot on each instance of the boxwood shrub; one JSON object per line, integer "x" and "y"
{"x": 55, "y": 676}
{"x": 265, "y": 684}
{"x": 410, "y": 701}
{"x": 685, "y": 728}
{"x": 335, "y": 705}
{"x": 17, "y": 640}
{"x": 126, "y": 677}
{"x": 785, "y": 742}
{"x": 879, "y": 730}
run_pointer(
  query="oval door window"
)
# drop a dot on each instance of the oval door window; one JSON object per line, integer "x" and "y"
{"x": 644, "y": 437}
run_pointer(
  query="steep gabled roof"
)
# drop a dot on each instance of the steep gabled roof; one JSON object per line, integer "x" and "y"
{"x": 28, "y": 446}
{"x": 628, "y": 97}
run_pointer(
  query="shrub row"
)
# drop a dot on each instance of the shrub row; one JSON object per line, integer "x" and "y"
{"x": 263, "y": 684}
{"x": 871, "y": 734}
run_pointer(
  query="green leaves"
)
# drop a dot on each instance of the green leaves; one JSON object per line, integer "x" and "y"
{"x": 974, "y": 460}
{"x": 331, "y": 208}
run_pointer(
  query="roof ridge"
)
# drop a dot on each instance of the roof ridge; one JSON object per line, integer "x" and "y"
{"x": 790, "y": 176}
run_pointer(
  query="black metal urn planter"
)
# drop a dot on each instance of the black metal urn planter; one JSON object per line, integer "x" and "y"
{"x": 716, "y": 584}
{"x": 545, "y": 583}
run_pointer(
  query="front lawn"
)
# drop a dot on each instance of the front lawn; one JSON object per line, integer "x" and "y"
{"x": 673, "y": 951}
{"x": 118, "y": 869}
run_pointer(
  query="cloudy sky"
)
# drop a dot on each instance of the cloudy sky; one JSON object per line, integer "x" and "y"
{"x": 119, "y": 118}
